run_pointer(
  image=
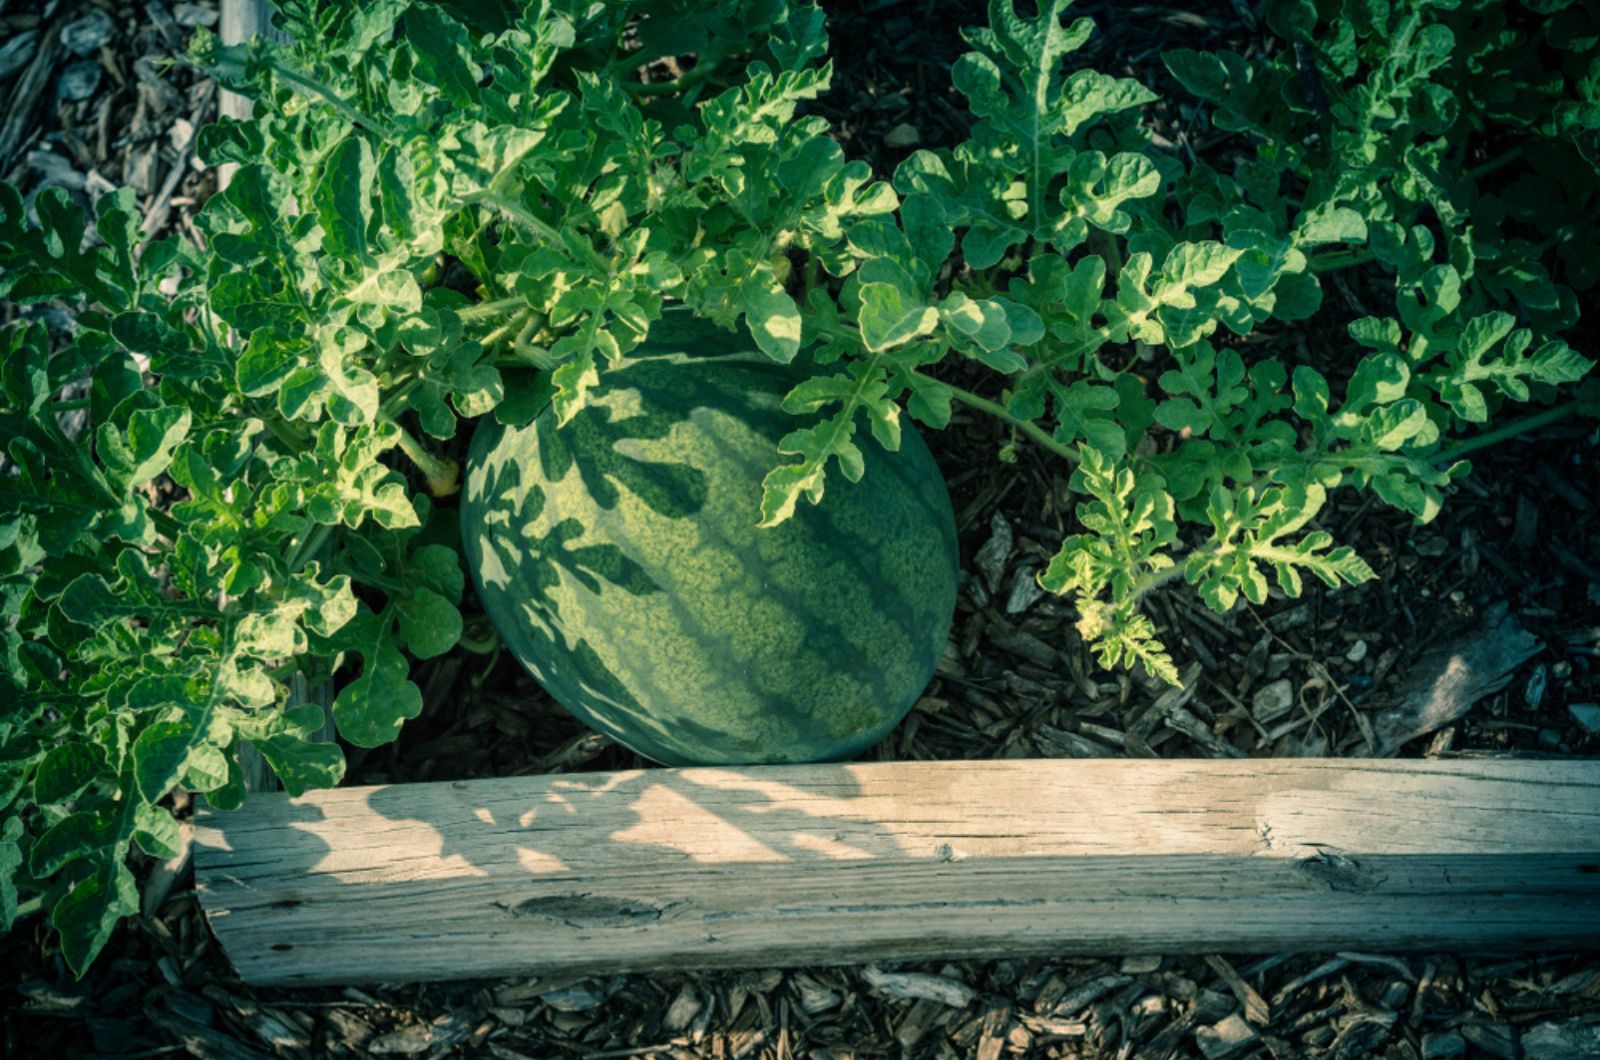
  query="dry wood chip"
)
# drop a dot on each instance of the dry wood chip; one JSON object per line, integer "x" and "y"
{"x": 583, "y": 996}
{"x": 1449, "y": 679}
{"x": 46, "y": 997}
{"x": 1059, "y": 743}
{"x": 15, "y": 53}
{"x": 1020, "y": 642}
{"x": 1050, "y": 1027}
{"x": 907, "y": 985}
{"x": 1496, "y": 1039}
{"x": 1562, "y": 1041}
{"x": 1290, "y": 618}
{"x": 409, "y": 1040}
{"x": 85, "y": 34}
{"x": 1211, "y": 1005}
{"x": 501, "y": 1052}
{"x": 1025, "y": 590}
{"x": 990, "y": 559}
{"x": 992, "y": 1038}
{"x": 1144, "y": 722}
{"x": 194, "y": 15}
{"x": 275, "y": 1028}
{"x": 1272, "y": 701}
{"x": 79, "y": 80}
{"x": 1587, "y": 715}
{"x": 902, "y": 135}
{"x": 1198, "y": 731}
{"x": 684, "y": 1008}
{"x": 1225, "y": 1037}
{"x": 1256, "y": 1009}
{"x": 1394, "y": 964}
{"x": 201, "y": 1040}
{"x": 1081, "y": 998}
{"x": 1442, "y": 1045}
{"x": 918, "y": 1018}
{"x": 815, "y": 997}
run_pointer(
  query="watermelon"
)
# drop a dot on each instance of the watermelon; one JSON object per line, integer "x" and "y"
{"x": 619, "y": 558}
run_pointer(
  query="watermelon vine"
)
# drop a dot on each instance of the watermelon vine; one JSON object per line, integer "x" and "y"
{"x": 447, "y": 211}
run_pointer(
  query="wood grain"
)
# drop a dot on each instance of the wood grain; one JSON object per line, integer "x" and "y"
{"x": 837, "y": 863}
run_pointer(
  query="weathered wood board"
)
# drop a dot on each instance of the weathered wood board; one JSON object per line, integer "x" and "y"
{"x": 673, "y": 868}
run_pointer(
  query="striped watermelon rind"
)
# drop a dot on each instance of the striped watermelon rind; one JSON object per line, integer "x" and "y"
{"x": 620, "y": 559}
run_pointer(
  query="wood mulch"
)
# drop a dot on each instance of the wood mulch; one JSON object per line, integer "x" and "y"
{"x": 89, "y": 105}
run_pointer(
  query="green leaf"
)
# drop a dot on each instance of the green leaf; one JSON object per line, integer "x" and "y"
{"x": 1190, "y": 265}
{"x": 372, "y": 706}
{"x": 343, "y": 198}
{"x": 1248, "y": 529}
{"x": 429, "y": 624}
{"x": 888, "y": 318}
{"x": 774, "y": 320}
{"x": 157, "y": 833}
{"x": 287, "y": 741}
{"x": 74, "y": 836}
{"x": 66, "y": 770}
{"x": 181, "y": 749}
{"x": 444, "y": 58}
{"x": 1330, "y": 223}
{"x": 10, "y": 862}
{"x": 86, "y": 915}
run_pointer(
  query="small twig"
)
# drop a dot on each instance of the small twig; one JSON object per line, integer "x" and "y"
{"x": 155, "y": 217}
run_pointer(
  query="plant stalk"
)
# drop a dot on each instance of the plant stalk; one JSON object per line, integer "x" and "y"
{"x": 309, "y": 546}
{"x": 1038, "y": 434}
{"x": 1555, "y": 414}
{"x": 444, "y": 476}
{"x": 1340, "y": 259}
{"x": 492, "y": 308}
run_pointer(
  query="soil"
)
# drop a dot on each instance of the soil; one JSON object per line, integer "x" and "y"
{"x": 1017, "y": 682}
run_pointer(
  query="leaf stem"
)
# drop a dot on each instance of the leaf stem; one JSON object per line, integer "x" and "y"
{"x": 1156, "y": 579}
{"x": 1096, "y": 340}
{"x": 350, "y": 113}
{"x": 444, "y": 476}
{"x": 515, "y": 322}
{"x": 1038, "y": 434}
{"x": 1504, "y": 158}
{"x": 1340, "y": 259}
{"x": 706, "y": 66}
{"x": 491, "y": 308}
{"x": 285, "y": 431}
{"x": 1516, "y": 427}
{"x": 524, "y": 217}
{"x": 309, "y": 546}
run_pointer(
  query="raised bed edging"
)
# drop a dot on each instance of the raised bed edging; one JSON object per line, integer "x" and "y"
{"x": 793, "y": 865}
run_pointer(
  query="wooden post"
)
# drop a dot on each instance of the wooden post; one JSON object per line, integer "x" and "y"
{"x": 674, "y": 868}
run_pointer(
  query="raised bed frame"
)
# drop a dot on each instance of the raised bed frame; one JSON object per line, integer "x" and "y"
{"x": 786, "y": 865}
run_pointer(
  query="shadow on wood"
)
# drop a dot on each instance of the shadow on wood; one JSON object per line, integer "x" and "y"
{"x": 816, "y": 864}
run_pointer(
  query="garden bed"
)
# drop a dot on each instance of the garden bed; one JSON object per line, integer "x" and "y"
{"x": 1304, "y": 677}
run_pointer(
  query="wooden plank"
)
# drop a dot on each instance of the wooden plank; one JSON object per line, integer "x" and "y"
{"x": 669, "y": 868}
